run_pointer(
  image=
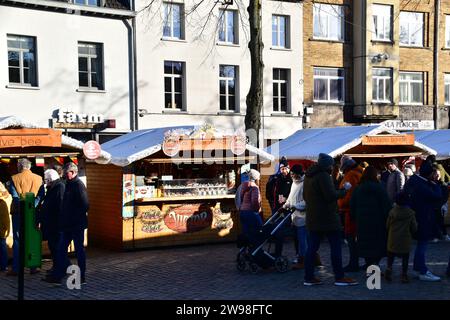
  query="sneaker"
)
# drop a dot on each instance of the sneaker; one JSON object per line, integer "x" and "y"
{"x": 429, "y": 277}
{"x": 388, "y": 275}
{"x": 52, "y": 280}
{"x": 435, "y": 240}
{"x": 295, "y": 260}
{"x": 343, "y": 282}
{"x": 312, "y": 282}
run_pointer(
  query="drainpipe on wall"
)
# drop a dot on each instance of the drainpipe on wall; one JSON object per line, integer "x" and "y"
{"x": 437, "y": 11}
{"x": 132, "y": 77}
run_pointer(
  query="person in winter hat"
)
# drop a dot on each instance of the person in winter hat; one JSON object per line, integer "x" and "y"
{"x": 401, "y": 226}
{"x": 295, "y": 200}
{"x": 322, "y": 219}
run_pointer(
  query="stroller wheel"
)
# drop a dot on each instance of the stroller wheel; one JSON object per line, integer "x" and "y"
{"x": 241, "y": 262}
{"x": 254, "y": 268}
{"x": 281, "y": 264}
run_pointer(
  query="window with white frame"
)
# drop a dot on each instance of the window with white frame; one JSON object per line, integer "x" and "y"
{"x": 227, "y": 87}
{"x": 87, "y": 2}
{"x": 381, "y": 85}
{"x": 228, "y": 26}
{"x": 90, "y": 65}
{"x": 280, "y": 31}
{"x": 411, "y": 28}
{"x": 328, "y": 22}
{"x": 411, "y": 87}
{"x": 173, "y": 21}
{"x": 22, "y": 60}
{"x": 173, "y": 85}
{"x": 281, "y": 90}
{"x": 447, "y": 88}
{"x": 329, "y": 85}
{"x": 447, "y": 31}
{"x": 382, "y": 22}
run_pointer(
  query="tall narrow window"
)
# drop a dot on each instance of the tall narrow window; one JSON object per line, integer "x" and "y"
{"x": 227, "y": 87}
{"x": 328, "y": 85}
{"x": 22, "y": 60}
{"x": 411, "y": 28}
{"x": 228, "y": 26}
{"x": 280, "y": 90}
{"x": 88, "y": 2}
{"x": 381, "y": 85}
{"x": 173, "y": 85}
{"x": 382, "y": 22}
{"x": 411, "y": 87}
{"x": 328, "y": 22}
{"x": 90, "y": 65}
{"x": 173, "y": 21}
{"x": 280, "y": 31}
{"x": 447, "y": 31}
{"x": 447, "y": 88}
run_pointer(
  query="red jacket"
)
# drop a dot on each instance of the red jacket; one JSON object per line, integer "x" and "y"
{"x": 353, "y": 176}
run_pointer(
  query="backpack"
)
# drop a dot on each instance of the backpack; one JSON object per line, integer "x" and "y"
{"x": 270, "y": 188}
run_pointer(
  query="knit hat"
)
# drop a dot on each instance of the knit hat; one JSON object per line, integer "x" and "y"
{"x": 393, "y": 161}
{"x": 325, "y": 161}
{"x": 297, "y": 169}
{"x": 348, "y": 163}
{"x": 283, "y": 162}
{"x": 253, "y": 175}
{"x": 426, "y": 169}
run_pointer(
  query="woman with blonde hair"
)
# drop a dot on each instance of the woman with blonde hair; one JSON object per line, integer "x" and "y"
{"x": 5, "y": 223}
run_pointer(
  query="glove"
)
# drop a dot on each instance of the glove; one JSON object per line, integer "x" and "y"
{"x": 347, "y": 186}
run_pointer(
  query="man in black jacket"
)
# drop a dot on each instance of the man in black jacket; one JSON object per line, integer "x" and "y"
{"x": 72, "y": 224}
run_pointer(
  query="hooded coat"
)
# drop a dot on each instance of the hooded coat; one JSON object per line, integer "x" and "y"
{"x": 321, "y": 200}
{"x": 353, "y": 176}
{"x": 369, "y": 207}
{"x": 5, "y": 207}
{"x": 401, "y": 225}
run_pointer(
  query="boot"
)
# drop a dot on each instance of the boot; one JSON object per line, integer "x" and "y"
{"x": 317, "y": 261}
{"x": 300, "y": 263}
{"x": 388, "y": 274}
{"x": 405, "y": 278}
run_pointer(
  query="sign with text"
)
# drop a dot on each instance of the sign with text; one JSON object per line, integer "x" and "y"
{"x": 409, "y": 125}
{"x": 22, "y": 138}
{"x": 188, "y": 218}
{"x": 388, "y": 140}
{"x": 92, "y": 150}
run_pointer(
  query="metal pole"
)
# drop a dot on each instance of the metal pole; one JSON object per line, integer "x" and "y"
{"x": 21, "y": 252}
{"x": 437, "y": 9}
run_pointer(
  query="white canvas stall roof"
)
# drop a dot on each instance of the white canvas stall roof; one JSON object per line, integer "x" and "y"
{"x": 308, "y": 143}
{"x": 439, "y": 140}
{"x": 140, "y": 144}
{"x": 15, "y": 122}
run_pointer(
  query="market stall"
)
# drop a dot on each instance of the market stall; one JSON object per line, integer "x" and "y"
{"x": 44, "y": 147}
{"x": 371, "y": 143}
{"x": 168, "y": 186}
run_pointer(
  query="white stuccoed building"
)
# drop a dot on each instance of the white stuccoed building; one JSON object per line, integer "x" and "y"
{"x": 193, "y": 66}
{"x": 66, "y": 64}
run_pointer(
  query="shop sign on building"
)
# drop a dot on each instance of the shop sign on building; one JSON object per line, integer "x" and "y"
{"x": 14, "y": 138}
{"x": 409, "y": 125}
{"x": 67, "y": 118}
{"x": 388, "y": 140}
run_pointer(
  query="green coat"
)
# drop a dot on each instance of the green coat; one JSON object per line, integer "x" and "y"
{"x": 401, "y": 225}
{"x": 369, "y": 207}
{"x": 321, "y": 198}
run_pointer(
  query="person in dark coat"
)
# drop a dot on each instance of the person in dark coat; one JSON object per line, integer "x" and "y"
{"x": 440, "y": 230}
{"x": 322, "y": 219}
{"x": 369, "y": 207}
{"x": 424, "y": 195}
{"x": 49, "y": 212}
{"x": 72, "y": 224}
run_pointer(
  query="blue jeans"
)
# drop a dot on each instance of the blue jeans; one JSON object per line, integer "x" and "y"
{"x": 419, "y": 257}
{"x": 3, "y": 254}
{"x": 302, "y": 240}
{"x": 334, "y": 238}
{"x": 77, "y": 236}
{"x": 251, "y": 222}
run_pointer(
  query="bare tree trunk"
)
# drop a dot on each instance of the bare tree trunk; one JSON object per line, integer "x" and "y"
{"x": 255, "y": 95}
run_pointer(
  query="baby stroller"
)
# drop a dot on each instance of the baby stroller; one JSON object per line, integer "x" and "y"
{"x": 252, "y": 254}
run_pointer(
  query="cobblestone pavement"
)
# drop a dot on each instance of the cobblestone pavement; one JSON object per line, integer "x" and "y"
{"x": 209, "y": 272}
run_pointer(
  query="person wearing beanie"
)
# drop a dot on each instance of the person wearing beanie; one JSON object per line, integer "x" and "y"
{"x": 322, "y": 219}
{"x": 424, "y": 196}
{"x": 352, "y": 174}
{"x": 48, "y": 214}
{"x": 395, "y": 181}
{"x": 250, "y": 205}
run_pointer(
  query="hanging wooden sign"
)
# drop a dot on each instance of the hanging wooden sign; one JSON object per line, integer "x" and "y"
{"x": 388, "y": 140}
{"x": 13, "y": 138}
